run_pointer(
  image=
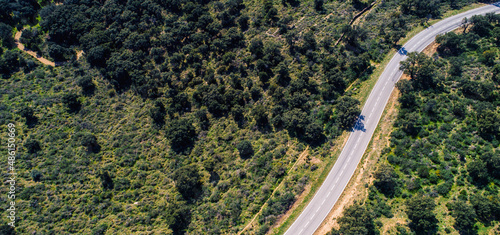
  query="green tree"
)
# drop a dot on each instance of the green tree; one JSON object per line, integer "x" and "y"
{"x": 492, "y": 160}
{"x": 36, "y": 175}
{"x": 188, "y": 181}
{"x": 178, "y": 217}
{"x": 245, "y": 149}
{"x": 488, "y": 123}
{"x": 421, "y": 70}
{"x": 157, "y": 113}
{"x": 7, "y": 230}
{"x": 464, "y": 215}
{"x": 256, "y": 48}
{"x": 29, "y": 114}
{"x": 87, "y": 85}
{"x": 478, "y": 171}
{"x": 488, "y": 57}
{"x": 483, "y": 208}
{"x": 90, "y": 142}
{"x": 98, "y": 55}
{"x": 182, "y": 134}
{"x": 357, "y": 219}
{"x": 347, "y": 111}
{"x": 318, "y": 5}
{"x": 386, "y": 180}
{"x": 32, "y": 146}
{"x": 270, "y": 12}
{"x": 106, "y": 181}
{"x": 420, "y": 211}
{"x": 260, "y": 115}
{"x": 72, "y": 103}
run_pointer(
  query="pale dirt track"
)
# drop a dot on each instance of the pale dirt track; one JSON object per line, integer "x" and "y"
{"x": 32, "y": 53}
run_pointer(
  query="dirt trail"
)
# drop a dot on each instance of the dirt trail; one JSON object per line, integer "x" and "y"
{"x": 251, "y": 223}
{"x": 32, "y": 53}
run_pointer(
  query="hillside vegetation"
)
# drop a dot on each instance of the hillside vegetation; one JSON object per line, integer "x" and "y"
{"x": 183, "y": 116}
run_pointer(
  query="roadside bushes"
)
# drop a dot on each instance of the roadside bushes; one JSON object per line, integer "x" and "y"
{"x": 356, "y": 219}
{"x": 386, "y": 180}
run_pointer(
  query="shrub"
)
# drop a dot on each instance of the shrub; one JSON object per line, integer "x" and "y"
{"x": 386, "y": 180}
{"x": 87, "y": 85}
{"x": 420, "y": 211}
{"x": 72, "y": 103}
{"x": 32, "y": 146}
{"x": 187, "y": 181}
{"x": 157, "y": 113}
{"x": 36, "y": 175}
{"x": 182, "y": 134}
{"x": 28, "y": 113}
{"x": 245, "y": 148}
{"x": 106, "y": 181}
{"x": 90, "y": 141}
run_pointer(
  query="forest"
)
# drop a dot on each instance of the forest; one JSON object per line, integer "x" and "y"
{"x": 179, "y": 116}
{"x": 441, "y": 170}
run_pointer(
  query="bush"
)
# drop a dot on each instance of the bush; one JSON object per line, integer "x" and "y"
{"x": 478, "y": 171}
{"x": 444, "y": 188}
{"x": 32, "y": 146}
{"x": 464, "y": 215}
{"x": 357, "y": 219}
{"x": 182, "y": 135}
{"x": 420, "y": 211}
{"x": 87, "y": 85}
{"x": 386, "y": 180}
{"x": 157, "y": 113}
{"x": 106, "y": 181}
{"x": 245, "y": 148}
{"x": 72, "y": 103}
{"x": 188, "y": 181}
{"x": 90, "y": 141}
{"x": 28, "y": 113}
{"x": 347, "y": 111}
{"x": 36, "y": 175}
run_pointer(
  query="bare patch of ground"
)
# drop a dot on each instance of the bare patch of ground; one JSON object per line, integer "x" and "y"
{"x": 315, "y": 160}
{"x": 79, "y": 54}
{"x": 431, "y": 49}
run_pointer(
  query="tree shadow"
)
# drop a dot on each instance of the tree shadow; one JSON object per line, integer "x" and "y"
{"x": 402, "y": 51}
{"x": 359, "y": 125}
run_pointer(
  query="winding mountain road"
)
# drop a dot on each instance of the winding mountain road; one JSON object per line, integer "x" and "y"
{"x": 339, "y": 176}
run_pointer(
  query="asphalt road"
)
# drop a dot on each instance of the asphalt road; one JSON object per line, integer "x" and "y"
{"x": 333, "y": 186}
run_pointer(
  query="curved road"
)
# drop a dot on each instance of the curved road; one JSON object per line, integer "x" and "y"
{"x": 331, "y": 189}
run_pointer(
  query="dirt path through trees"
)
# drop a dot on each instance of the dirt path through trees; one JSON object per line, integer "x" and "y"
{"x": 32, "y": 53}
